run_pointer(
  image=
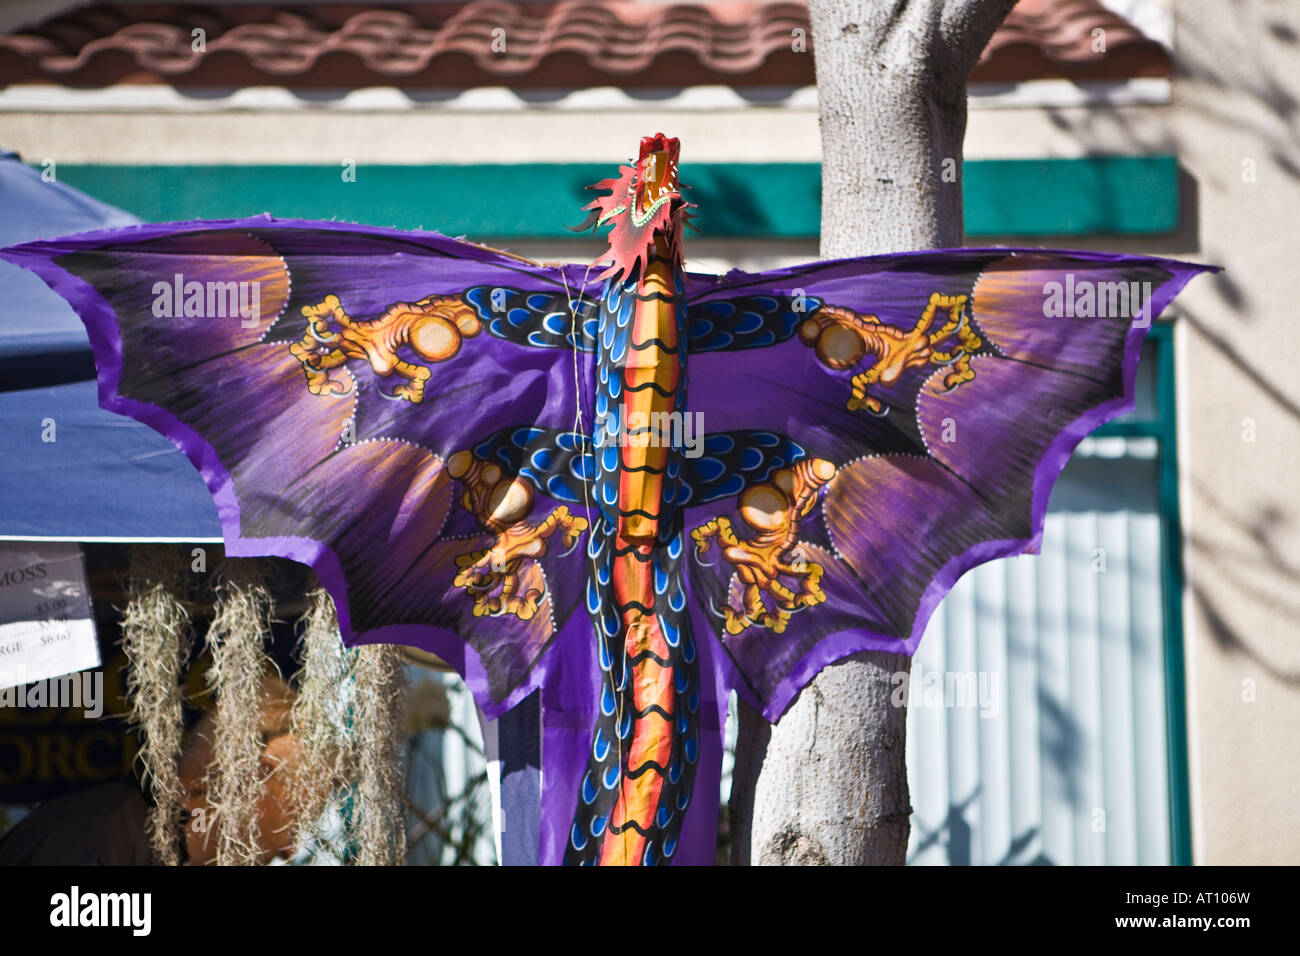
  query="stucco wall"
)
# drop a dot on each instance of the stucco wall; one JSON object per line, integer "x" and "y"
{"x": 1234, "y": 122}
{"x": 1238, "y": 133}
{"x": 194, "y": 134}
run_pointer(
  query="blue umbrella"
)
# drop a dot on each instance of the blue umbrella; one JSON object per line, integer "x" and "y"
{"x": 102, "y": 476}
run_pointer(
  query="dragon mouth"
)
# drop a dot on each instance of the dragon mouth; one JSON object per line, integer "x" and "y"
{"x": 656, "y": 176}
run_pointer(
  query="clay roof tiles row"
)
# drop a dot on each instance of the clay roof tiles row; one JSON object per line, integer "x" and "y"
{"x": 491, "y": 42}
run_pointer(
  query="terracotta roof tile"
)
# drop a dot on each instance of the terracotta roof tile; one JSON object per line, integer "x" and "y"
{"x": 564, "y": 44}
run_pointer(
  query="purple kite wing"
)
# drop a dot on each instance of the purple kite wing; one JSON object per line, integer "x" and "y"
{"x": 874, "y": 428}
{"x": 363, "y": 401}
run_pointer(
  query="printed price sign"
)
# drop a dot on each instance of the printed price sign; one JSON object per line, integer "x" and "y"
{"x": 46, "y": 626}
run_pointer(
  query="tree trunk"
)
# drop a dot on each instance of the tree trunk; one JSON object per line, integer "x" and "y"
{"x": 828, "y": 784}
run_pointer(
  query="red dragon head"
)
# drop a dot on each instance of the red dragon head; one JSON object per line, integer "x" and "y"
{"x": 643, "y": 203}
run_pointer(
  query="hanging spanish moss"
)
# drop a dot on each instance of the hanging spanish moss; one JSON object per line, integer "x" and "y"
{"x": 378, "y": 729}
{"x": 157, "y": 638}
{"x": 235, "y": 638}
{"x": 326, "y": 761}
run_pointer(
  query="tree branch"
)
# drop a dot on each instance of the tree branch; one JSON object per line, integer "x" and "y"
{"x": 966, "y": 26}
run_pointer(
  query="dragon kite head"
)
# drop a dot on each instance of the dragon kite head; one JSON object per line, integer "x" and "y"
{"x": 643, "y": 205}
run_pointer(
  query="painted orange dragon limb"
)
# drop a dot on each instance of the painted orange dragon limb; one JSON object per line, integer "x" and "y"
{"x": 841, "y": 338}
{"x": 502, "y": 504}
{"x": 433, "y": 328}
{"x": 773, "y": 510}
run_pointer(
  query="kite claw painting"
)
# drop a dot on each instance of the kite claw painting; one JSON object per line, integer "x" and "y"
{"x": 631, "y": 488}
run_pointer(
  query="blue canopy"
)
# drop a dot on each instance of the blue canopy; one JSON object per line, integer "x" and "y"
{"x": 103, "y": 477}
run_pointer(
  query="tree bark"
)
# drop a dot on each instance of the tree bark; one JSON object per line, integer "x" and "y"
{"x": 828, "y": 784}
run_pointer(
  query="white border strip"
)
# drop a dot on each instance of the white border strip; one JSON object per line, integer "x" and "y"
{"x": 160, "y": 98}
{"x": 1142, "y": 91}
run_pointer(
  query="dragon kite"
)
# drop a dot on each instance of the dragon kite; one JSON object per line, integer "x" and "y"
{"x": 632, "y": 488}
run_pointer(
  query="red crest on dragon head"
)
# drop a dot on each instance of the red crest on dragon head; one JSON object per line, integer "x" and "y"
{"x": 643, "y": 203}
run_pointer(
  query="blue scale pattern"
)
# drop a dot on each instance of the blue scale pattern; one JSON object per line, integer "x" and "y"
{"x": 535, "y": 319}
{"x": 746, "y": 322}
{"x": 554, "y": 461}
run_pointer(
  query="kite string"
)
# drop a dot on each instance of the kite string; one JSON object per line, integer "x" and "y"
{"x": 579, "y": 427}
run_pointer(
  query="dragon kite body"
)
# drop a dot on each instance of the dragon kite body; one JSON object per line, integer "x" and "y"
{"x": 632, "y": 492}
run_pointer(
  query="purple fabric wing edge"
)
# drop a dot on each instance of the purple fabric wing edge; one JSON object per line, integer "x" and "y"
{"x": 846, "y": 643}
{"x": 106, "y": 347}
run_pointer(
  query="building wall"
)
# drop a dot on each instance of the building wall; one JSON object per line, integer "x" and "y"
{"x": 144, "y": 125}
{"x": 1233, "y": 123}
{"x": 1237, "y": 131}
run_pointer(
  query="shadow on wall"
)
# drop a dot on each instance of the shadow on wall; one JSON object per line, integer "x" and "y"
{"x": 955, "y": 836}
{"x": 1249, "y": 573}
{"x": 1259, "y": 102}
{"x": 1263, "y": 573}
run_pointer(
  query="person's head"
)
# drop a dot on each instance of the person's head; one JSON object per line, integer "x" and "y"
{"x": 276, "y": 807}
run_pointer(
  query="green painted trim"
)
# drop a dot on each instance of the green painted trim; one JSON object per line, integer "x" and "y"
{"x": 1164, "y": 429}
{"x": 1180, "y": 813}
{"x": 1134, "y": 429}
{"x": 1097, "y": 195}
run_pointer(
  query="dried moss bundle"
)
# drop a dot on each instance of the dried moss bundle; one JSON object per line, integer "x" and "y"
{"x": 378, "y": 729}
{"x": 235, "y": 641}
{"x": 157, "y": 639}
{"x": 326, "y": 761}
